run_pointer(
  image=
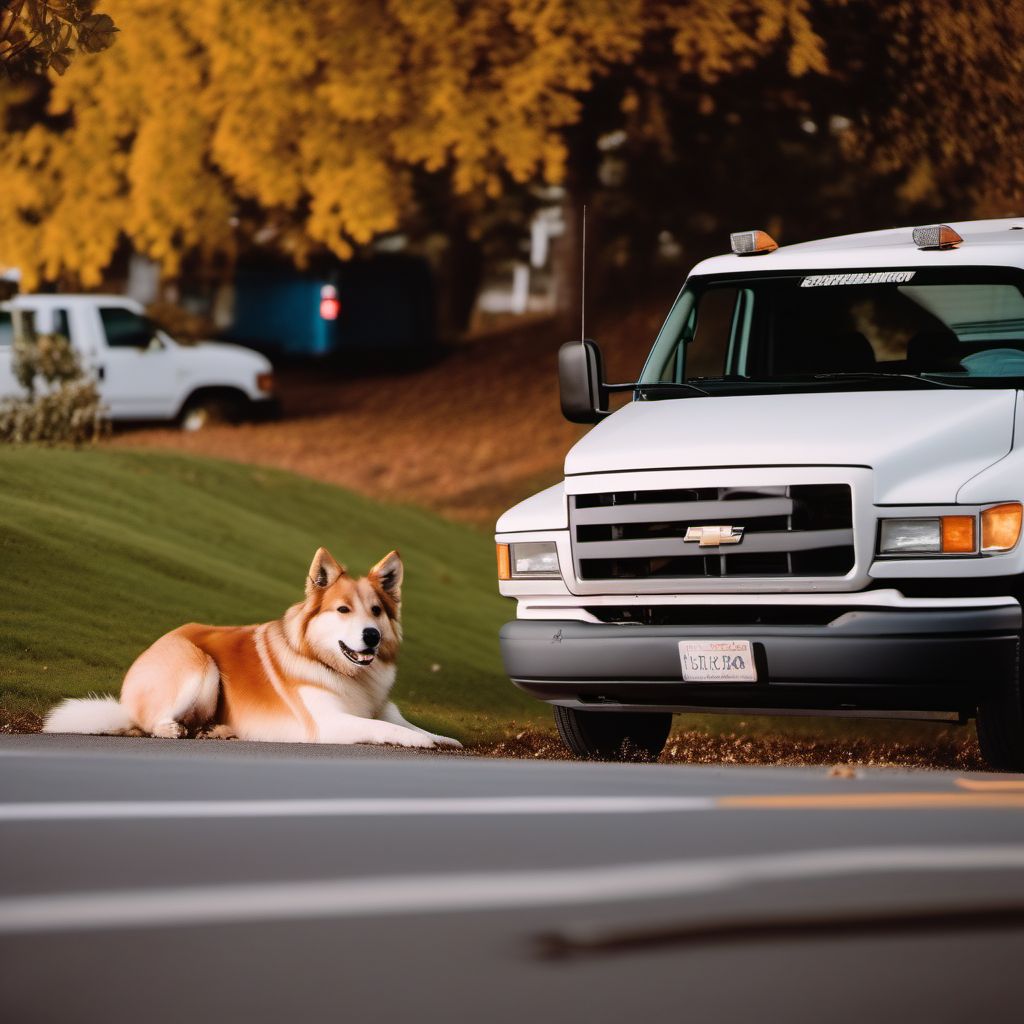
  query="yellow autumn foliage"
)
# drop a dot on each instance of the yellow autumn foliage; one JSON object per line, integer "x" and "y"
{"x": 317, "y": 114}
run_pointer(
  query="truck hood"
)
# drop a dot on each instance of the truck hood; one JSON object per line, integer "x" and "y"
{"x": 223, "y": 353}
{"x": 922, "y": 445}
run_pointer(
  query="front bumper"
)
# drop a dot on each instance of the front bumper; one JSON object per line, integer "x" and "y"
{"x": 881, "y": 659}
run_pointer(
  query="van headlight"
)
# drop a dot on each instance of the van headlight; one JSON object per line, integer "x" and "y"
{"x": 953, "y": 535}
{"x": 537, "y": 559}
{"x": 939, "y": 535}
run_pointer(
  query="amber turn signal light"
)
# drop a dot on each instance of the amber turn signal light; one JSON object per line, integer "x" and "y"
{"x": 752, "y": 243}
{"x": 1000, "y": 527}
{"x": 936, "y": 236}
{"x": 504, "y": 563}
{"x": 957, "y": 535}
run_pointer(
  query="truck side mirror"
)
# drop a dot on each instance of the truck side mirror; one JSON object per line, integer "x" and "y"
{"x": 581, "y": 382}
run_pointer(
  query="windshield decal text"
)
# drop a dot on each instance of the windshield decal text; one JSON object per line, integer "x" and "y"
{"x": 875, "y": 277}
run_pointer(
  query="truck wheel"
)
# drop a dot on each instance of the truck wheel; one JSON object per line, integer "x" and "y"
{"x": 613, "y": 735}
{"x": 206, "y": 410}
{"x": 1000, "y": 725}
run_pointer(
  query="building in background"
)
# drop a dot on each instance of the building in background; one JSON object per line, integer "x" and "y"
{"x": 526, "y": 282}
{"x": 379, "y": 305}
{"x": 376, "y": 305}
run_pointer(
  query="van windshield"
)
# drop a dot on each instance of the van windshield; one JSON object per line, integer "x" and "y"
{"x": 827, "y": 330}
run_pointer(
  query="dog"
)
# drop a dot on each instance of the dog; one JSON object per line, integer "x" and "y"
{"x": 322, "y": 673}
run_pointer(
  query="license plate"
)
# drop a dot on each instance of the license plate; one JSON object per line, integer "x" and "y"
{"x": 717, "y": 661}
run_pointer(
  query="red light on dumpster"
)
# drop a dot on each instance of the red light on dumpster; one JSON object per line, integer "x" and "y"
{"x": 330, "y": 305}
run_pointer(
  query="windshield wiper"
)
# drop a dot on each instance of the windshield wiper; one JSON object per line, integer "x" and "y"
{"x": 677, "y": 389}
{"x": 668, "y": 389}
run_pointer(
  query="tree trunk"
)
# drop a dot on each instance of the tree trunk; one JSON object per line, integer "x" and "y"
{"x": 459, "y": 278}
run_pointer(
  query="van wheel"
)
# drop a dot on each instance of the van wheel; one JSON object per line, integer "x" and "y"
{"x": 204, "y": 411}
{"x": 1000, "y": 725}
{"x": 613, "y": 735}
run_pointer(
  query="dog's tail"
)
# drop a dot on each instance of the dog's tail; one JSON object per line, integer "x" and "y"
{"x": 89, "y": 715}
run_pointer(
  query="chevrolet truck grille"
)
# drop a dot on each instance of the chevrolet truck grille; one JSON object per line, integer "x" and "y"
{"x": 800, "y": 530}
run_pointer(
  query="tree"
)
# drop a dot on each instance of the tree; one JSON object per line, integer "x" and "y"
{"x": 947, "y": 110}
{"x": 312, "y": 124}
{"x": 309, "y": 126}
{"x": 37, "y": 35}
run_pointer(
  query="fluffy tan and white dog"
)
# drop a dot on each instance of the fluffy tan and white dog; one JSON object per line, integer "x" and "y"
{"x": 321, "y": 673}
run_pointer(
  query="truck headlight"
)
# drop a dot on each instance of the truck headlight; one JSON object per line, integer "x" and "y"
{"x": 529, "y": 560}
{"x": 941, "y": 535}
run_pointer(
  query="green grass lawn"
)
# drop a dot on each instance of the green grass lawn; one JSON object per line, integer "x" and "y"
{"x": 103, "y": 551}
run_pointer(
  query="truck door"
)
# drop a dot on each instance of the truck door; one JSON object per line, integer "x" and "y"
{"x": 135, "y": 369}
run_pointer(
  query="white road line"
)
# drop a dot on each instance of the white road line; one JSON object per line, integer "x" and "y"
{"x": 93, "y": 810}
{"x": 379, "y": 896}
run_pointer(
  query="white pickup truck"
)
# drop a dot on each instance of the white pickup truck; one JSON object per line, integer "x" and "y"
{"x": 812, "y": 503}
{"x": 141, "y": 372}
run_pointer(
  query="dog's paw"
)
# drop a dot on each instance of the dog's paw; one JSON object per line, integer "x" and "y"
{"x": 169, "y": 730}
{"x": 218, "y": 732}
{"x": 420, "y": 740}
{"x": 446, "y": 741}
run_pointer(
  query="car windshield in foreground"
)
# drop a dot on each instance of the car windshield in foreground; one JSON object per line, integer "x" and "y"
{"x": 890, "y": 328}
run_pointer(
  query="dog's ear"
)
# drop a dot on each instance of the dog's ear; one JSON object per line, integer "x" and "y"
{"x": 323, "y": 571}
{"x": 387, "y": 574}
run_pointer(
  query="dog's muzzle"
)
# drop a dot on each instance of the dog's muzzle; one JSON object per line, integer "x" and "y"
{"x": 358, "y": 657}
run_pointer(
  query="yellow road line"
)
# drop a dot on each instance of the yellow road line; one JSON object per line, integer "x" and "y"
{"x": 874, "y": 801}
{"x": 991, "y": 785}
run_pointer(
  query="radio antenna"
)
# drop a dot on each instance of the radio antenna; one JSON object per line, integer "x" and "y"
{"x": 583, "y": 278}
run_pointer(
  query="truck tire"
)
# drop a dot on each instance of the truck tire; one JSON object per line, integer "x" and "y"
{"x": 613, "y": 735}
{"x": 204, "y": 410}
{"x": 1000, "y": 725}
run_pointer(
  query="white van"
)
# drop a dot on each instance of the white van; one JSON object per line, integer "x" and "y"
{"x": 811, "y": 504}
{"x": 141, "y": 372}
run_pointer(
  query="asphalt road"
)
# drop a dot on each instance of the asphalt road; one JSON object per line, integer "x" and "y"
{"x": 152, "y": 880}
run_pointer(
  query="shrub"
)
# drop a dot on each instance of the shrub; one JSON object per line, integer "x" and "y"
{"x": 46, "y": 356}
{"x": 62, "y": 403}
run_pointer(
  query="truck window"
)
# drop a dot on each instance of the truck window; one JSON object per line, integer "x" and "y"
{"x": 960, "y": 323}
{"x": 51, "y": 320}
{"x": 60, "y": 323}
{"x": 125, "y": 329}
{"x": 714, "y": 337}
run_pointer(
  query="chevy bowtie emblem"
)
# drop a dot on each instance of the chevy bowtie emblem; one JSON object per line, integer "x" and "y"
{"x": 713, "y": 536}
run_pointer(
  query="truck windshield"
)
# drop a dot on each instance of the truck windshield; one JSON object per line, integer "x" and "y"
{"x": 903, "y": 327}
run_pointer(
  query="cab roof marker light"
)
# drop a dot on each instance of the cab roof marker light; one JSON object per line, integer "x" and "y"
{"x": 752, "y": 243}
{"x": 936, "y": 236}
